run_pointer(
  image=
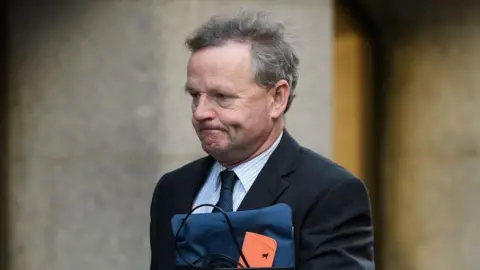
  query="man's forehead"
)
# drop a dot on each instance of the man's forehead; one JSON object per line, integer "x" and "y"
{"x": 231, "y": 56}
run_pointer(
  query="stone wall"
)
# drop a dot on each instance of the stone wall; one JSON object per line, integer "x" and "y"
{"x": 97, "y": 114}
{"x": 432, "y": 158}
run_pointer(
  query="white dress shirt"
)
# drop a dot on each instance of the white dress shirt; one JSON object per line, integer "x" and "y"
{"x": 246, "y": 172}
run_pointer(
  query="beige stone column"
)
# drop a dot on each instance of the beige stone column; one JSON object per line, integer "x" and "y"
{"x": 433, "y": 146}
{"x": 98, "y": 114}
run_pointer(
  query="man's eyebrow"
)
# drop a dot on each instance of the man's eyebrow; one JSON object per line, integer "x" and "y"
{"x": 189, "y": 89}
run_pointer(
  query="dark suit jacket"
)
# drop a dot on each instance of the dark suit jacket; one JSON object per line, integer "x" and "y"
{"x": 331, "y": 209}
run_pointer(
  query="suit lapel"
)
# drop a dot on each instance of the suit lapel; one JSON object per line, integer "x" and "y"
{"x": 191, "y": 184}
{"x": 270, "y": 184}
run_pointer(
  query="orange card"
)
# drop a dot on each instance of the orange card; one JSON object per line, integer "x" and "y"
{"x": 259, "y": 250}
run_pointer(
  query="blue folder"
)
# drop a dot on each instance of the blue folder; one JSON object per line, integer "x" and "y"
{"x": 208, "y": 233}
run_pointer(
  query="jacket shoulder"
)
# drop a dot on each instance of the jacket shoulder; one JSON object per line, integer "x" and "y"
{"x": 318, "y": 161}
{"x": 328, "y": 171}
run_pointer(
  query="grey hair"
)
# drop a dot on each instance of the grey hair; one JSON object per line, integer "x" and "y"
{"x": 273, "y": 56}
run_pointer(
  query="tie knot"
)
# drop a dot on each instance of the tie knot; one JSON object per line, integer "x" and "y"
{"x": 228, "y": 179}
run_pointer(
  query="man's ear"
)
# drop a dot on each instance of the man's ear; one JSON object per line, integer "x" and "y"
{"x": 280, "y": 92}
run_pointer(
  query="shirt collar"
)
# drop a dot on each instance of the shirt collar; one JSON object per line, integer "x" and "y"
{"x": 244, "y": 170}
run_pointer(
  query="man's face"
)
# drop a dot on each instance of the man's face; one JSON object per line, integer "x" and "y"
{"x": 232, "y": 115}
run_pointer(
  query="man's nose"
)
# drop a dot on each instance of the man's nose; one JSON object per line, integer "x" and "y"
{"x": 203, "y": 109}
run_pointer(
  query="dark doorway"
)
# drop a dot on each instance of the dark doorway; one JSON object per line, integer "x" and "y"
{"x": 360, "y": 72}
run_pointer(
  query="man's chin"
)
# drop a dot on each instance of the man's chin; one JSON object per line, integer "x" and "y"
{"x": 213, "y": 150}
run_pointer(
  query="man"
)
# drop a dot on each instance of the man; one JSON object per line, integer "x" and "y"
{"x": 241, "y": 77}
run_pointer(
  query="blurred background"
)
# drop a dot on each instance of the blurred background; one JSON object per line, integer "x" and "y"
{"x": 93, "y": 113}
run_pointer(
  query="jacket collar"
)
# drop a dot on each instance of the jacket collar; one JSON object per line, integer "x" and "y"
{"x": 270, "y": 183}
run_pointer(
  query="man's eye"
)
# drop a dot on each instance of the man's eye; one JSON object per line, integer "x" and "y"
{"x": 195, "y": 96}
{"x": 223, "y": 100}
